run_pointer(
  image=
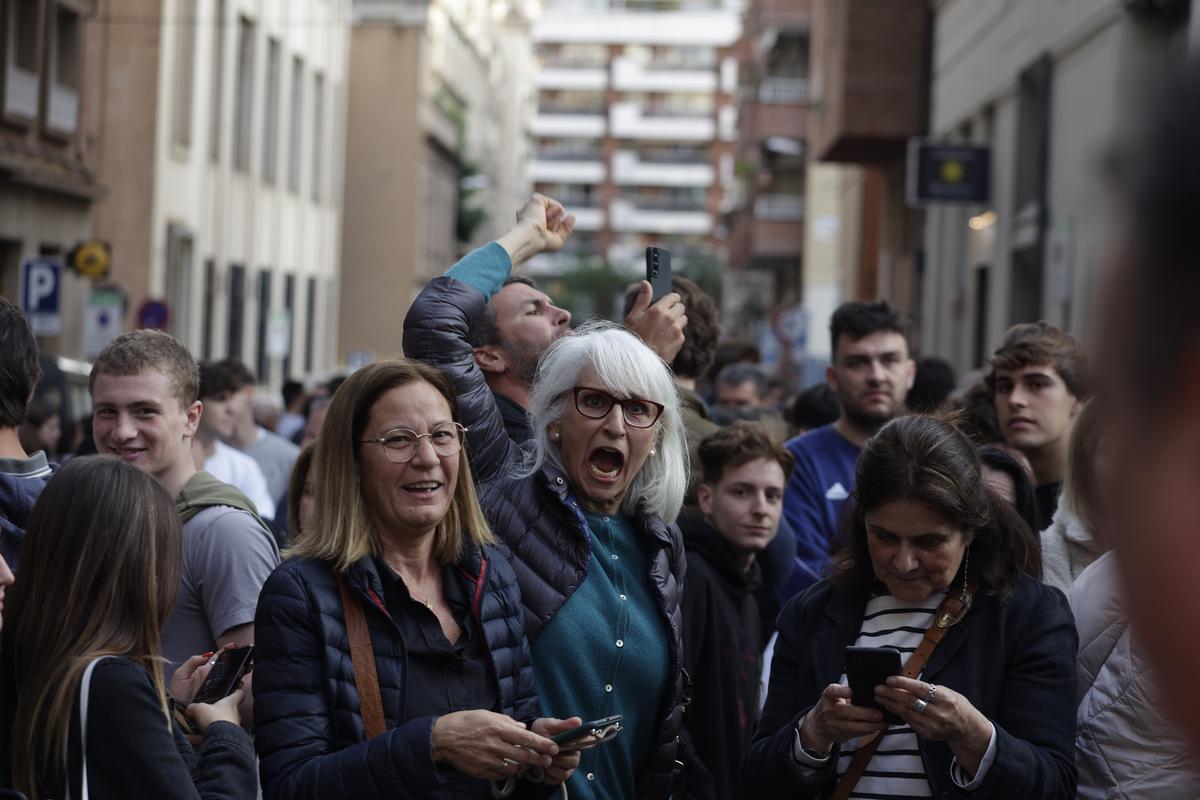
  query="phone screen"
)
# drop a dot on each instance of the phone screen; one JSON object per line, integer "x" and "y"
{"x": 225, "y": 675}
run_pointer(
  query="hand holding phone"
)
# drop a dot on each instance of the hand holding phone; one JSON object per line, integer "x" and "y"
{"x": 589, "y": 734}
{"x": 866, "y": 668}
{"x": 226, "y": 674}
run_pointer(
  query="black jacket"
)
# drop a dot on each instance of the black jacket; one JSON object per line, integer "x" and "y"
{"x": 309, "y": 731}
{"x": 722, "y": 648}
{"x": 1013, "y": 660}
{"x": 539, "y": 522}
{"x": 132, "y": 753}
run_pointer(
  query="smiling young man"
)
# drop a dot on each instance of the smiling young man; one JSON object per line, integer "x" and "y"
{"x": 1039, "y": 382}
{"x": 871, "y": 373}
{"x": 741, "y": 496}
{"x": 145, "y": 410}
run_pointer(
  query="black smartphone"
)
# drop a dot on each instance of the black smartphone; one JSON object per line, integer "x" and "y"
{"x": 658, "y": 272}
{"x": 868, "y": 667}
{"x": 226, "y": 674}
{"x": 603, "y": 729}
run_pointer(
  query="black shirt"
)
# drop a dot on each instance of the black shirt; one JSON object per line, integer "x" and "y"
{"x": 516, "y": 419}
{"x": 442, "y": 677}
{"x": 1047, "y": 502}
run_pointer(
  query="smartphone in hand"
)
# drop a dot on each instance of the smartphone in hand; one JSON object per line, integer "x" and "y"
{"x": 226, "y": 675}
{"x": 866, "y": 668}
{"x": 589, "y": 734}
{"x": 658, "y": 272}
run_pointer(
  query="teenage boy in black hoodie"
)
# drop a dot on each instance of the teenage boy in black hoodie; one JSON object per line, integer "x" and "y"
{"x": 741, "y": 496}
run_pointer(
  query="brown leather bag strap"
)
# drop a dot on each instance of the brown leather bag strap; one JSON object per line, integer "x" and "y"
{"x": 362, "y": 655}
{"x": 949, "y": 612}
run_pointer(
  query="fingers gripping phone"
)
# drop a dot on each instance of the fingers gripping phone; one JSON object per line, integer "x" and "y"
{"x": 658, "y": 272}
{"x": 226, "y": 674}
{"x": 866, "y": 668}
{"x": 589, "y": 734}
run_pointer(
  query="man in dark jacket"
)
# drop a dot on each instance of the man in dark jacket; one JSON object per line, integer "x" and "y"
{"x": 22, "y": 475}
{"x": 742, "y": 499}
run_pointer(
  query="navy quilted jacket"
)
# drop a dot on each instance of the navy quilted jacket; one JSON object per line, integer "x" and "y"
{"x": 309, "y": 732}
{"x": 539, "y": 522}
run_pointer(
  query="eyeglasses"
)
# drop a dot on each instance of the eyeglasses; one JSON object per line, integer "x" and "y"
{"x": 400, "y": 444}
{"x": 595, "y": 404}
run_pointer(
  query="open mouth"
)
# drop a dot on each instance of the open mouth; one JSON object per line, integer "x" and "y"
{"x": 422, "y": 487}
{"x": 606, "y": 463}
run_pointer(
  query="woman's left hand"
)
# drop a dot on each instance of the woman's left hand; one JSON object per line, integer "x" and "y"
{"x": 190, "y": 675}
{"x": 563, "y": 764}
{"x": 944, "y": 716}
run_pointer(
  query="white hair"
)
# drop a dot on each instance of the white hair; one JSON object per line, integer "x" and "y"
{"x": 626, "y": 367}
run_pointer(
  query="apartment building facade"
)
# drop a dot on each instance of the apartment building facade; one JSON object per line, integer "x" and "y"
{"x": 1045, "y": 87}
{"x": 49, "y": 163}
{"x": 221, "y": 149}
{"x": 636, "y": 128}
{"x": 440, "y": 101}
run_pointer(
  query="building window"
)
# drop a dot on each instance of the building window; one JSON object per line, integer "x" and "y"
{"x": 310, "y": 325}
{"x": 22, "y": 79}
{"x": 289, "y": 304}
{"x": 318, "y": 134}
{"x": 295, "y": 123}
{"x": 237, "y": 309}
{"x": 179, "y": 281}
{"x": 210, "y": 298}
{"x": 218, "y": 78}
{"x": 185, "y": 58}
{"x": 262, "y": 365}
{"x": 244, "y": 103}
{"x": 66, "y": 63}
{"x": 271, "y": 113}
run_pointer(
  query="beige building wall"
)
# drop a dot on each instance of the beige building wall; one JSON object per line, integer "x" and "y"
{"x": 383, "y": 231}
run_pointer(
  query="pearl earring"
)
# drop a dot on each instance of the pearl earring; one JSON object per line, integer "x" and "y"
{"x": 652, "y": 452}
{"x": 554, "y": 437}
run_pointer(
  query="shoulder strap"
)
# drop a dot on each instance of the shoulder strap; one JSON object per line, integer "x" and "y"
{"x": 362, "y": 655}
{"x": 949, "y": 613}
{"x": 85, "y": 691}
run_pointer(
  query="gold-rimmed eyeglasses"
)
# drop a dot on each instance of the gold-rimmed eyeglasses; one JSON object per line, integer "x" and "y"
{"x": 400, "y": 444}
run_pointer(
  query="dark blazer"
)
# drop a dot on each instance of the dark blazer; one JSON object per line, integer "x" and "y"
{"x": 1014, "y": 660}
{"x": 309, "y": 730}
{"x": 539, "y": 521}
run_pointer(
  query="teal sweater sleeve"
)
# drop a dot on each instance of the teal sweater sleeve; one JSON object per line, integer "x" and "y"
{"x": 484, "y": 269}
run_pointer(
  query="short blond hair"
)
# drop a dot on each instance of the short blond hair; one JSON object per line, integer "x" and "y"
{"x": 341, "y": 533}
{"x": 150, "y": 351}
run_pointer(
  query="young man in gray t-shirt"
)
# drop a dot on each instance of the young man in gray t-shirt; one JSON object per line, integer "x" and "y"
{"x": 144, "y": 389}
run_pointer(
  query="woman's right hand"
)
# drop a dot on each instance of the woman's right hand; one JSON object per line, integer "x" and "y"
{"x": 835, "y": 720}
{"x": 224, "y": 710}
{"x": 484, "y": 744}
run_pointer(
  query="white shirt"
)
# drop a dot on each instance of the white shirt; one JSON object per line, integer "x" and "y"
{"x": 234, "y": 467}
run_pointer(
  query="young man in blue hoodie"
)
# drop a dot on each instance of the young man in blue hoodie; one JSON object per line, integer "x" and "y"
{"x": 22, "y": 475}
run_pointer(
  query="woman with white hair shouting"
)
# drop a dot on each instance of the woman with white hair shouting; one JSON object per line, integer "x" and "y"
{"x": 586, "y": 515}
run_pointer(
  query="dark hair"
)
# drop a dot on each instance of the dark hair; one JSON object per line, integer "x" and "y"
{"x": 738, "y": 373}
{"x": 1157, "y": 177}
{"x": 292, "y": 390}
{"x": 927, "y": 460}
{"x": 1040, "y": 344}
{"x": 856, "y": 320}
{"x": 229, "y": 375}
{"x": 815, "y": 406}
{"x": 333, "y": 384}
{"x": 703, "y": 329}
{"x": 733, "y": 351}
{"x": 486, "y": 330}
{"x": 739, "y": 443}
{"x": 975, "y": 413}
{"x": 1024, "y": 496}
{"x": 296, "y": 483}
{"x": 104, "y": 540}
{"x": 19, "y": 368}
{"x": 933, "y": 383}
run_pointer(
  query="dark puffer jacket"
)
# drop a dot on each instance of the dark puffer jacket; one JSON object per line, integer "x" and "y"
{"x": 310, "y": 734}
{"x": 539, "y": 522}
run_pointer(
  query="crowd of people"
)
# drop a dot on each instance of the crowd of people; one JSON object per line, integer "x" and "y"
{"x": 611, "y": 561}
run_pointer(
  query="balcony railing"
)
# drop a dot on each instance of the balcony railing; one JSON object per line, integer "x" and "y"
{"x": 571, "y": 110}
{"x": 567, "y": 154}
{"x": 666, "y": 203}
{"x": 673, "y": 155}
{"x": 779, "y": 207}
{"x": 672, "y": 112}
{"x": 783, "y": 90}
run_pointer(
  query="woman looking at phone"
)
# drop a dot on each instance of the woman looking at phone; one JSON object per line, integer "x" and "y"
{"x": 991, "y": 714}
{"x": 390, "y": 647}
{"x": 99, "y": 574}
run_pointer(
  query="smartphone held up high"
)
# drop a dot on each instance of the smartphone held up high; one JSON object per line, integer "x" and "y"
{"x": 658, "y": 272}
